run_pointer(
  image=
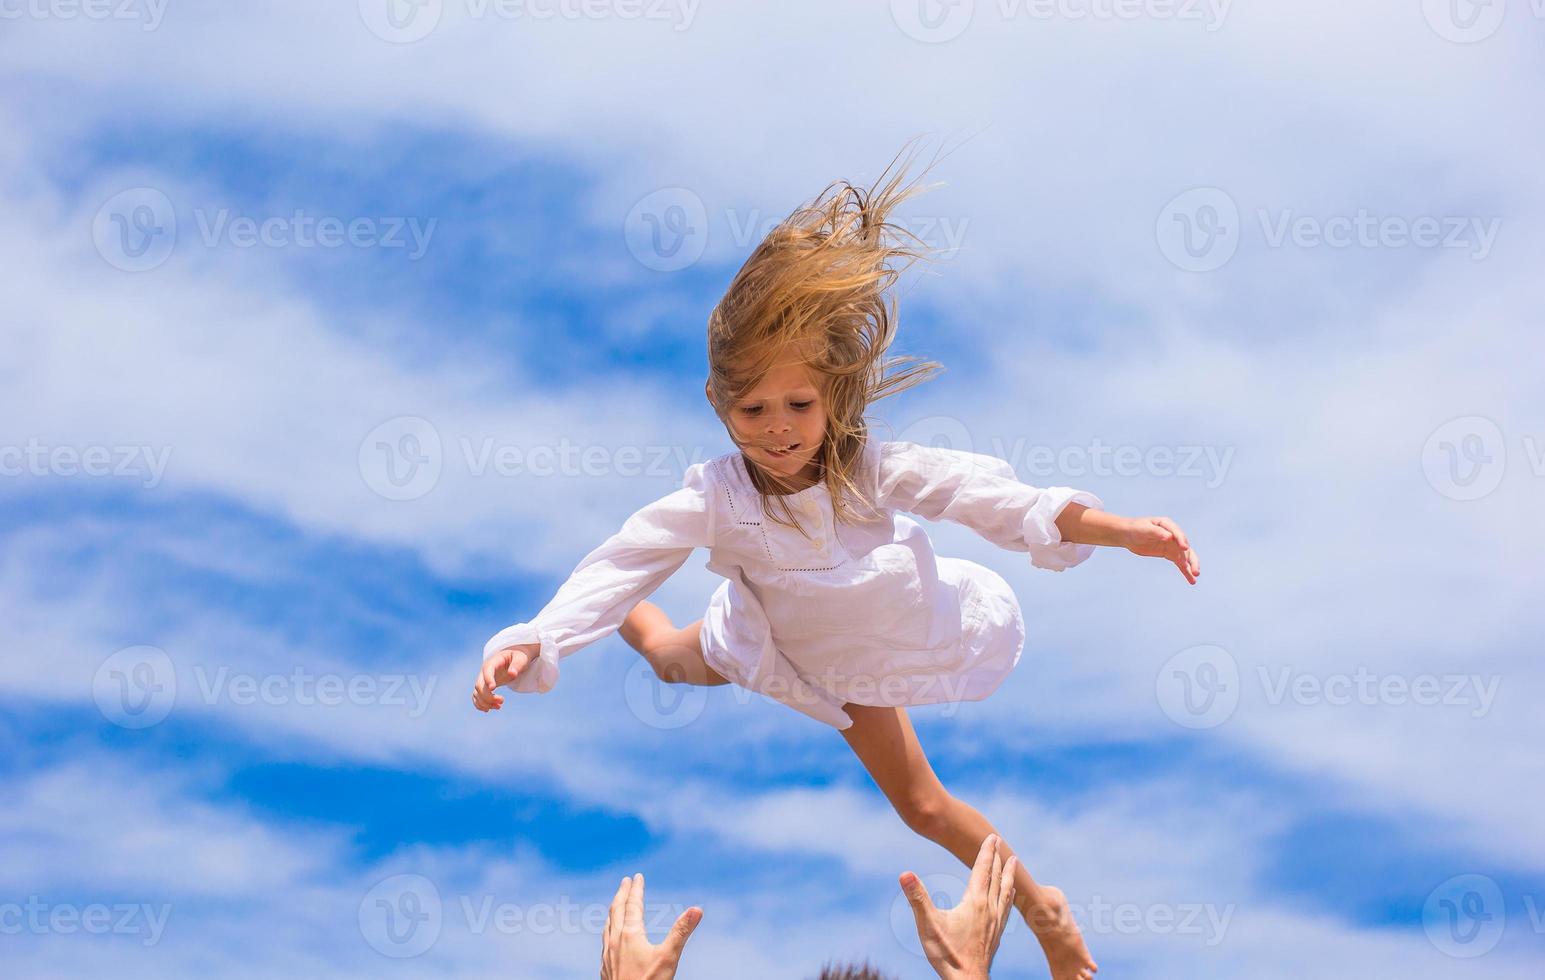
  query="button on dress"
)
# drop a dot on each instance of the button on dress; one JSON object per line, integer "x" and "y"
{"x": 858, "y": 612}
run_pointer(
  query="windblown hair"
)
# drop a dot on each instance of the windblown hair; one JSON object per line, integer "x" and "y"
{"x": 848, "y": 971}
{"x": 819, "y": 289}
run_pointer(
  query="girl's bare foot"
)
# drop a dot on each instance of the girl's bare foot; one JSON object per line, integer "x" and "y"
{"x": 1049, "y": 917}
{"x": 645, "y": 620}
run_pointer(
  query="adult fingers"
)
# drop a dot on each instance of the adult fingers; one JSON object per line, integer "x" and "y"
{"x": 1006, "y": 890}
{"x": 676, "y": 940}
{"x": 996, "y": 878}
{"x": 983, "y": 866}
{"x": 917, "y": 897}
{"x": 633, "y": 910}
{"x": 614, "y": 913}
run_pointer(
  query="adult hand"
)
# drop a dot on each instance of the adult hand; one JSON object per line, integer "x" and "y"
{"x": 626, "y": 953}
{"x": 961, "y": 942}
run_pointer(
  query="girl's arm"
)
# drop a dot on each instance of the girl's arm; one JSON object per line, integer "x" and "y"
{"x": 1058, "y": 526}
{"x": 983, "y": 493}
{"x": 1153, "y": 537}
{"x": 598, "y": 595}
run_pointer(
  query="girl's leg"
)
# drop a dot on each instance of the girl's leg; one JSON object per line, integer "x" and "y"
{"x": 675, "y": 654}
{"x": 885, "y": 743}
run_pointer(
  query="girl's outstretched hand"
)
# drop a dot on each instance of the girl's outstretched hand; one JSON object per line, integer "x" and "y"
{"x": 1160, "y": 537}
{"x": 498, "y": 670}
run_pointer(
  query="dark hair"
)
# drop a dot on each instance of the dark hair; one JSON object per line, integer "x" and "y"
{"x": 848, "y": 971}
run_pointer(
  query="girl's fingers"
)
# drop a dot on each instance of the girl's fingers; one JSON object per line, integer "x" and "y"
{"x": 1180, "y": 536}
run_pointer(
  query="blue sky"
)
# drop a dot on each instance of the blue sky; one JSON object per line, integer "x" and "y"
{"x": 1362, "y": 417}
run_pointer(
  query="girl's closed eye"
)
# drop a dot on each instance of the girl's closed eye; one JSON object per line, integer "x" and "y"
{"x": 757, "y": 409}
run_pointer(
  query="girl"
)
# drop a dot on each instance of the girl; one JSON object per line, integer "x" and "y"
{"x": 834, "y": 602}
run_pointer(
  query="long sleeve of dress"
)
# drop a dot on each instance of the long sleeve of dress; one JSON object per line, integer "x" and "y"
{"x": 608, "y": 582}
{"x": 982, "y": 493}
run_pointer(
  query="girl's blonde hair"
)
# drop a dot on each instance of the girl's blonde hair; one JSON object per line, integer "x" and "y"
{"x": 818, "y": 288}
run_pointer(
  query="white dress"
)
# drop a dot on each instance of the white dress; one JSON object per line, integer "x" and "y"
{"x": 862, "y": 613}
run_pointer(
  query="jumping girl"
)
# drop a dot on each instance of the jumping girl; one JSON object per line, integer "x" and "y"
{"x": 833, "y": 601}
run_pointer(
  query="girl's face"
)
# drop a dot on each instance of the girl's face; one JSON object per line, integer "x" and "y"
{"x": 781, "y": 423}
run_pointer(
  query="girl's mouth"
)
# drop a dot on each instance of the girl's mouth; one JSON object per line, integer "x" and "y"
{"x": 784, "y": 451}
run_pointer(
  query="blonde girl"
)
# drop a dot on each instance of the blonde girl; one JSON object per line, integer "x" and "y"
{"x": 834, "y": 602}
